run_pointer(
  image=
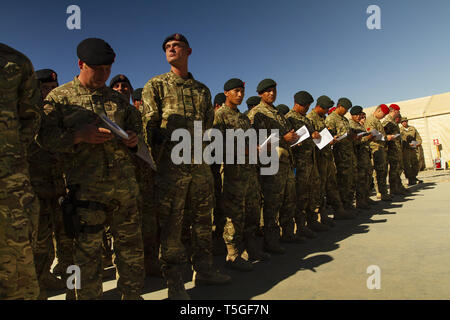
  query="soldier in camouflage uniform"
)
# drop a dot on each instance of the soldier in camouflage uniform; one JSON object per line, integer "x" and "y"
{"x": 239, "y": 200}
{"x": 278, "y": 189}
{"x": 219, "y": 218}
{"x": 363, "y": 163}
{"x": 104, "y": 190}
{"x": 343, "y": 151}
{"x": 251, "y": 103}
{"x": 410, "y": 161}
{"x": 327, "y": 173}
{"x": 175, "y": 100}
{"x": 394, "y": 149}
{"x": 378, "y": 150}
{"x": 20, "y": 114}
{"x": 147, "y": 201}
{"x": 307, "y": 181}
{"x": 47, "y": 180}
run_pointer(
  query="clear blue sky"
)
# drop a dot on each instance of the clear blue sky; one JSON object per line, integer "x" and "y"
{"x": 320, "y": 46}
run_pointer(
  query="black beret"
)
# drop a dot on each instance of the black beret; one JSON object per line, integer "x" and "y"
{"x": 356, "y": 110}
{"x": 265, "y": 84}
{"x": 344, "y": 102}
{"x": 282, "y": 108}
{"x": 253, "y": 101}
{"x": 303, "y": 98}
{"x": 175, "y": 36}
{"x": 219, "y": 99}
{"x": 46, "y": 75}
{"x": 137, "y": 94}
{"x": 233, "y": 83}
{"x": 119, "y": 78}
{"x": 95, "y": 52}
{"x": 325, "y": 102}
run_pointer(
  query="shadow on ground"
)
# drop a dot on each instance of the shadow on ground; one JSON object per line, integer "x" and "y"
{"x": 246, "y": 285}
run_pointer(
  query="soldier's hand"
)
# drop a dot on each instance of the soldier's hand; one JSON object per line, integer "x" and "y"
{"x": 132, "y": 140}
{"x": 90, "y": 133}
{"x": 334, "y": 140}
{"x": 291, "y": 137}
{"x": 390, "y": 137}
{"x": 315, "y": 135}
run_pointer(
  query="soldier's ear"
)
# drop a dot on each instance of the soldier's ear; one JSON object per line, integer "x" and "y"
{"x": 189, "y": 51}
{"x": 80, "y": 64}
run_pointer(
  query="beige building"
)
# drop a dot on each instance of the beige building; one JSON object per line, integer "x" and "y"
{"x": 431, "y": 117}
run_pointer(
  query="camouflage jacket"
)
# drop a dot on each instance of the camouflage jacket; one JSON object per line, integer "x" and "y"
{"x": 171, "y": 102}
{"x": 228, "y": 118}
{"x": 71, "y": 106}
{"x": 319, "y": 124}
{"x": 391, "y": 127}
{"x": 338, "y": 126}
{"x": 373, "y": 123}
{"x": 408, "y": 135}
{"x": 305, "y": 151}
{"x": 361, "y": 145}
{"x": 20, "y": 109}
{"x": 267, "y": 117}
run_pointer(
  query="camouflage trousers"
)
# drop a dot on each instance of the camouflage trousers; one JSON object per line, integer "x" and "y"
{"x": 410, "y": 163}
{"x": 345, "y": 161}
{"x": 307, "y": 186}
{"x": 120, "y": 213}
{"x": 279, "y": 202}
{"x": 363, "y": 174}
{"x": 50, "y": 222}
{"x": 219, "y": 219}
{"x": 328, "y": 185}
{"x": 19, "y": 214}
{"x": 395, "y": 182}
{"x": 185, "y": 198}
{"x": 242, "y": 202}
{"x": 149, "y": 211}
{"x": 379, "y": 158}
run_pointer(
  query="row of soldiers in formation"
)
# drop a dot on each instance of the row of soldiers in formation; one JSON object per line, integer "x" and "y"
{"x": 71, "y": 187}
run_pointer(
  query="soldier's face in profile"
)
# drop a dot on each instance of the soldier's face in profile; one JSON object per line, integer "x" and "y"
{"x": 95, "y": 76}
{"x": 177, "y": 52}
{"x": 46, "y": 87}
{"x": 123, "y": 88}
{"x": 269, "y": 96}
{"x": 235, "y": 96}
{"x": 405, "y": 124}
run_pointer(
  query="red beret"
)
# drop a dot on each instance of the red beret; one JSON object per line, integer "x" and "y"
{"x": 384, "y": 108}
{"x": 395, "y": 107}
{"x": 331, "y": 110}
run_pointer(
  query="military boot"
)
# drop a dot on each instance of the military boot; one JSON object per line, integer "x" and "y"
{"x": 327, "y": 221}
{"x": 211, "y": 277}
{"x": 370, "y": 201}
{"x": 239, "y": 264}
{"x": 272, "y": 243}
{"x": 318, "y": 227}
{"x": 341, "y": 214}
{"x": 51, "y": 282}
{"x": 175, "y": 284}
{"x": 386, "y": 197}
{"x": 254, "y": 252}
{"x": 362, "y": 204}
{"x": 302, "y": 230}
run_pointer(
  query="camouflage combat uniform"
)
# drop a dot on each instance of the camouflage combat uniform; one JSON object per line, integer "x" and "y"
{"x": 394, "y": 150}
{"x": 239, "y": 201}
{"x": 103, "y": 177}
{"x": 20, "y": 114}
{"x": 185, "y": 191}
{"x": 364, "y": 165}
{"x": 344, "y": 157}
{"x": 307, "y": 181}
{"x": 379, "y": 154}
{"x": 327, "y": 170}
{"x": 410, "y": 160}
{"x": 279, "y": 189}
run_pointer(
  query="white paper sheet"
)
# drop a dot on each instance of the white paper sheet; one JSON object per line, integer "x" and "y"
{"x": 377, "y": 135}
{"x": 362, "y": 134}
{"x": 114, "y": 127}
{"x": 272, "y": 138}
{"x": 325, "y": 139}
{"x": 342, "y": 137}
{"x": 303, "y": 133}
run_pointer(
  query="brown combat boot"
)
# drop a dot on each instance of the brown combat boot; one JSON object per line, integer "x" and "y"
{"x": 362, "y": 204}
{"x": 341, "y": 214}
{"x": 253, "y": 250}
{"x": 175, "y": 284}
{"x": 211, "y": 277}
